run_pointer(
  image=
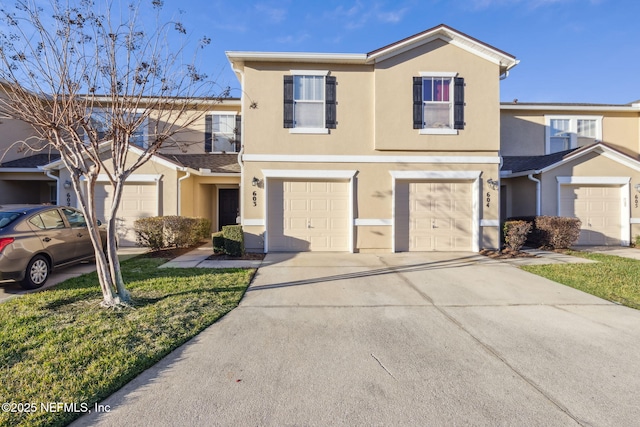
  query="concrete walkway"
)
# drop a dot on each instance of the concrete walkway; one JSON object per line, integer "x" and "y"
{"x": 396, "y": 339}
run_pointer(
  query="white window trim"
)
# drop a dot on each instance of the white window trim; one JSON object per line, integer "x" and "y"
{"x": 444, "y": 74}
{"x": 213, "y": 133}
{"x": 573, "y": 128}
{"x": 301, "y": 130}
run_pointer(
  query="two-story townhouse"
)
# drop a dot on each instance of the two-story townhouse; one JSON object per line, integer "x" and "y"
{"x": 195, "y": 174}
{"x": 577, "y": 160}
{"x": 394, "y": 150}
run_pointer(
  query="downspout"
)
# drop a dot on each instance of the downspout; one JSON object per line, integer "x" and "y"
{"x": 538, "y": 194}
{"x": 57, "y": 180}
{"x": 241, "y": 151}
{"x": 187, "y": 176}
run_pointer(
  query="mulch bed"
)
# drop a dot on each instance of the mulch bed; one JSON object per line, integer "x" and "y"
{"x": 505, "y": 254}
{"x": 249, "y": 256}
{"x": 168, "y": 253}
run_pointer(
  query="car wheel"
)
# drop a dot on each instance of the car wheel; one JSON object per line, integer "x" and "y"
{"x": 37, "y": 273}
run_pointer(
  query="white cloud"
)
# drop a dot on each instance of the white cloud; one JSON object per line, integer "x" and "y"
{"x": 273, "y": 14}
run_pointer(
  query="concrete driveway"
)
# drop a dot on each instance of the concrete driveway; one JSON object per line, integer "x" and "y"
{"x": 397, "y": 339}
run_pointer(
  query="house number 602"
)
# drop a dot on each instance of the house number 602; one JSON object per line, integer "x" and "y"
{"x": 488, "y": 200}
{"x": 255, "y": 198}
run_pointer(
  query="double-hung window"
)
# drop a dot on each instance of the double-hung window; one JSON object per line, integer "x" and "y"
{"x": 222, "y": 133}
{"x": 438, "y": 103}
{"x": 309, "y": 102}
{"x": 567, "y": 132}
{"x": 101, "y": 122}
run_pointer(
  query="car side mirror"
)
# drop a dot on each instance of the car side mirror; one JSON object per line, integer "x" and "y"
{"x": 99, "y": 223}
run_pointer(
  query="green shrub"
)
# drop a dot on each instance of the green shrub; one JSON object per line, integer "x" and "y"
{"x": 171, "y": 231}
{"x": 218, "y": 242}
{"x": 233, "y": 240}
{"x": 558, "y": 232}
{"x": 149, "y": 232}
{"x": 515, "y": 234}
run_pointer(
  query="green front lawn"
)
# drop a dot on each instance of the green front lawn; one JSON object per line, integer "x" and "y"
{"x": 612, "y": 278}
{"x": 61, "y": 346}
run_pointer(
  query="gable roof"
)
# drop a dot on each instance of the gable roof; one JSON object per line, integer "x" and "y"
{"x": 514, "y": 166}
{"x": 519, "y": 164}
{"x": 443, "y": 32}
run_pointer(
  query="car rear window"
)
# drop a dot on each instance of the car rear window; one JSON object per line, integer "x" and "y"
{"x": 7, "y": 218}
{"x": 47, "y": 220}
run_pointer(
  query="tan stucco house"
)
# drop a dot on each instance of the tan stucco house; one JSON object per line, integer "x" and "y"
{"x": 392, "y": 150}
{"x": 577, "y": 160}
{"x": 404, "y": 148}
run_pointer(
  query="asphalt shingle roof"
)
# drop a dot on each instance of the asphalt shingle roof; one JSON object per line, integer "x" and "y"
{"x": 218, "y": 163}
{"x": 516, "y": 164}
{"x": 31, "y": 162}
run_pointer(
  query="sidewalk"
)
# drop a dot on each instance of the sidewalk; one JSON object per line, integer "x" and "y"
{"x": 198, "y": 258}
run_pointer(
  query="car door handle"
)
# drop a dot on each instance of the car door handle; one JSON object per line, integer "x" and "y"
{"x": 47, "y": 239}
{"x": 79, "y": 234}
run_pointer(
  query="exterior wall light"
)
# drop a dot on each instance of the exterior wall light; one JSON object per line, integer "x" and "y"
{"x": 67, "y": 185}
{"x": 255, "y": 181}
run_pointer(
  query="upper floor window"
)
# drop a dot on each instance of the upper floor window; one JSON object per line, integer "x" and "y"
{"x": 567, "y": 132}
{"x": 310, "y": 102}
{"x": 438, "y": 103}
{"x": 222, "y": 133}
{"x": 100, "y": 121}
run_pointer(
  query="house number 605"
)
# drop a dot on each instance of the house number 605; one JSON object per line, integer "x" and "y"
{"x": 255, "y": 198}
{"x": 488, "y": 200}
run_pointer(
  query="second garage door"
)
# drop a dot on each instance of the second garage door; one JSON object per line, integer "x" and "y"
{"x": 308, "y": 215}
{"x": 598, "y": 207}
{"x": 138, "y": 201}
{"x": 434, "y": 216}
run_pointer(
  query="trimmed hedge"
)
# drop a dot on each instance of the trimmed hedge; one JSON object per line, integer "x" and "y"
{"x": 218, "y": 242}
{"x": 559, "y": 232}
{"x": 554, "y": 232}
{"x": 233, "y": 240}
{"x": 515, "y": 234}
{"x": 171, "y": 231}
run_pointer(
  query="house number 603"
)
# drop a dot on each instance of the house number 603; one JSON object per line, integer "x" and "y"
{"x": 488, "y": 200}
{"x": 255, "y": 198}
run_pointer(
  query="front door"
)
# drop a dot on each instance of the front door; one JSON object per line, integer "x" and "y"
{"x": 227, "y": 206}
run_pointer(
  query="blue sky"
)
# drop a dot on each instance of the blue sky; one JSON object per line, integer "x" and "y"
{"x": 569, "y": 50}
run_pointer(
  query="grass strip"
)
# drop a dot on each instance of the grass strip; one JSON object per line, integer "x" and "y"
{"x": 612, "y": 278}
{"x": 59, "y": 345}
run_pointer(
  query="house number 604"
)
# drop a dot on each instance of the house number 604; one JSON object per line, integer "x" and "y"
{"x": 488, "y": 200}
{"x": 255, "y": 198}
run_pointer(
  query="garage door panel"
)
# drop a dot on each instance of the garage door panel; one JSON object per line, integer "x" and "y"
{"x": 599, "y": 209}
{"x": 137, "y": 201}
{"x": 439, "y": 217}
{"x": 313, "y": 216}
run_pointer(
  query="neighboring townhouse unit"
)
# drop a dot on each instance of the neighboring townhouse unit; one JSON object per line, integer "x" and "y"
{"x": 196, "y": 174}
{"x": 578, "y": 160}
{"x": 393, "y": 150}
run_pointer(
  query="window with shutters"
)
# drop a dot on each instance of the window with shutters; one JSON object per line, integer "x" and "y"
{"x": 438, "y": 103}
{"x": 222, "y": 133}
{"x": 309, "y": 102}
{"x": 566, "y": 132}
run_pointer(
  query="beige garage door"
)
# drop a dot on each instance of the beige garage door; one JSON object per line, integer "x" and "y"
{"x": 598, "y": 207}
{"x": 138, "y": 201}
{"x": 308, "y": 216}
{"x": 434, "y": 216}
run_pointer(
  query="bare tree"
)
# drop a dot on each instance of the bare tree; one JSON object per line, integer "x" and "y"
{"x": 88, "y": 78}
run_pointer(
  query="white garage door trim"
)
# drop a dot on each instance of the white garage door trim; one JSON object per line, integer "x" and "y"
{"x": 325, "y": 175}
{"x": 622, "y": 181}
{"x": 472, "y": 176}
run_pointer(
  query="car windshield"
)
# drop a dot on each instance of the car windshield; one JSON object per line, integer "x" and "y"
{"x": 7, "y": 218}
